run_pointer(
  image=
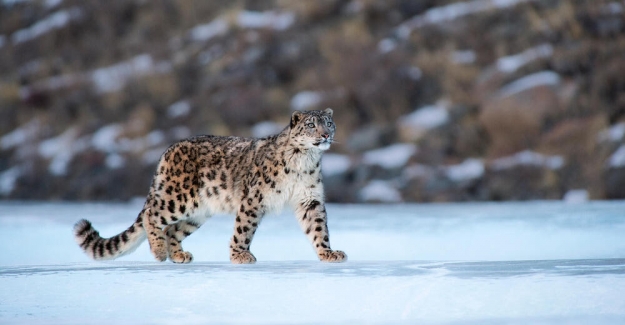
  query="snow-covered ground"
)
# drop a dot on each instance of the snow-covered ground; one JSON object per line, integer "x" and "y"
{"x": 508, "y": 263}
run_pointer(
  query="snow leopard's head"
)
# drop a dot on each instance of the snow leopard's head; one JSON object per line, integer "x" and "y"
{"x": 313, "y": 129}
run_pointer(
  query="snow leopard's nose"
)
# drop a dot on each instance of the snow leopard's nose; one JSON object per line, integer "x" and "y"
{"x": 325, "y": 135}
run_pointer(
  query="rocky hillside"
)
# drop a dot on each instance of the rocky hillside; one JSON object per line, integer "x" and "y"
{"x": 435, "y": 100}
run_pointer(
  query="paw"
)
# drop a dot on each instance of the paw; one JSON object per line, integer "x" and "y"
{"x": 181, "y": 257}
{"x": 160, "y": 253}
{"x": 333, "y": 256}
{"x": 244, "y": 257}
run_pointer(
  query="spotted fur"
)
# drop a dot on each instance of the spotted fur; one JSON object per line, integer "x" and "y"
{"x": 247, "y": 177}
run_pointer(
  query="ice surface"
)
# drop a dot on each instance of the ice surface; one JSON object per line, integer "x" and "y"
{"x": 511, "y": 263}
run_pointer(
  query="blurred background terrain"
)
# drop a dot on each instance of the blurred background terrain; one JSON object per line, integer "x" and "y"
{"x": 435, "y": 100}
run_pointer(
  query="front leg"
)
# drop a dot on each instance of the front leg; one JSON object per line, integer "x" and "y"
{"x": 312, "y": 218}
{"x": 244, "y": 230}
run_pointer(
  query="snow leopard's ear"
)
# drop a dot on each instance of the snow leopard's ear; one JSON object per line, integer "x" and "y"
{"x": 296, "y": 117}
{"x": 329, "y": 111}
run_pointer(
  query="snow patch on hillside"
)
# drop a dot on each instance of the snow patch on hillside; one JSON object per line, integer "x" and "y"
{"x": 54, "y": 21}
{"x": 105, "y": 139}
{"x": 468, "y": 170}
{"x": 613, "y": 8}
{"x": 576, "y": 196}
{"x": 613, "y": 134}
{"x": 113, "y": 78}
{"x": 380, "y": 191}
{"x": 617, "y": 160}
{"x": 463, "y": 57}
{"x": 393, "y": 156}
{"x": 180, "y": 132}
{"x": 247, "y": 19}
{"x": 48, "y": 3}
{"x": 509, "y": 64}
{"x": 266, "y": 128}
{"x": 266, "y": 19}
{"x": 427, "y": 117}
{"x": 21, "y": 135}
{"x": 62, "y": 149}
{"x": 8, "y": 179}
{"x": 138, "y": 144}
{"x": 538, "y": 79}
{"x": 306, "y": 99}
{"x": 335, "y": 164}
{"x": 386, "y": 45}
{"x": 179, "y": 109}
{"x": 450, "y": 12}
{"x": 205, "y": 32}
{"x": 416, "y": 124}
{"x": 528, "y": 158}
{"x": 105, "y": 79}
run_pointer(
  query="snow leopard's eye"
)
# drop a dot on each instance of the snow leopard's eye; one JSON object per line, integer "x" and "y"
{"x": 311, "y": 125}
{"x": 329, "y": 124}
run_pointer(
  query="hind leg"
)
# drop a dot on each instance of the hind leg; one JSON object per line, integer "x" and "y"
{"x": 156, "y": 236}
{"x": 244, "y": 229}
{"x": 162, "y": 224}
{"x": 176, "y": 233}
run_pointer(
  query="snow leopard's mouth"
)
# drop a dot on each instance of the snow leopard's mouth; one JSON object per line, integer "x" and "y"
{"x": 323, "y": 144}
{"x": 322, "y": 141}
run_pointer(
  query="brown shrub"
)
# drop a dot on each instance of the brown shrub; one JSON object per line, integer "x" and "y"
{"x": 516, "y": 122}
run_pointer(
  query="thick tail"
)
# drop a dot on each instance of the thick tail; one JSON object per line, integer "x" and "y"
{"x": 100, "y": 248}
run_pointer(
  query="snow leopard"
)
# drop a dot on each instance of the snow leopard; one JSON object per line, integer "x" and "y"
{"x": 205, "y": 175}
